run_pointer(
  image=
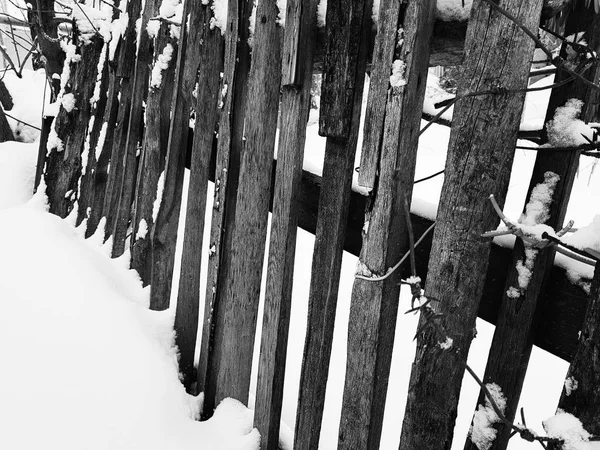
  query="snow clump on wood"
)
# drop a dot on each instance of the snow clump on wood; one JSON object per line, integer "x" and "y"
{"x": 219, "y": 19}
{"x": 537, "y": 212}
{"x": 482, "y": 431}
{"x": 397, "y": 78}
{"x": 571, "y": 385}
{"x": 568, "y": 428}
{"x": 68, "y": 102}
{"x": 566, "y": 130}
{"x": 161, "y": 64}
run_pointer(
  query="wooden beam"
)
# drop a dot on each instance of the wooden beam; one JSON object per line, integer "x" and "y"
{"x": 479, "y": 160}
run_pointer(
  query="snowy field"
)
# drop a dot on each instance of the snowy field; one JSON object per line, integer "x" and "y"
{"x": 88, "y": 366}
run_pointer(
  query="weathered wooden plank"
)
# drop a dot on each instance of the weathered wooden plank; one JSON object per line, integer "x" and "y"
{"x": 343, "y": 37}
{"x": 133, "y": 135}
{"x": 86, "y": 193}
{"x": 383, "y": 55}
{"x": 6, "y": 133}
{"x": 103, "y": 150}
{"x": 518, "y": 319}
{"x": 235, "y": 320}
{"x": 154, "y": 145}
{"x": 63, "y": 161}
{"x": 583, "y": 376}
{"x": 122, "y": 161}
{"x": 205, "y": 50}
{"x": 234, "y": 90}
{"x": 374, "y": 305}
{"x": 333, "y": 209}
{"x": 480, "y": 155}
{"x": 164, "y": 233}
{"x": 295, "y": 105}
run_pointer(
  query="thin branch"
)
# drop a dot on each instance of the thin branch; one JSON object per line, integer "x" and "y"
{"x": 429, "y": 177}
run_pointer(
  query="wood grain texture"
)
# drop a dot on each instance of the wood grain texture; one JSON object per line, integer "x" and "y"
{"x": 381, "y": 69}
{"x": 86, "y": 193}
{"x": 234, "y": 91}
{"x": 480, "y": 155}
{"x": 235, "y": 321}
{"x": 334, "y": 202}
{"x": 207, "y": 46}
{"x": 154, "y": 146}
{"x": 122, "y": 160}
{"x": 344, "y": 34}
{"x": 63, "y": 168}
{"x": 518, "y": 319}
{"x": 295, "y": 104}
{"x": 374, "y": 305}
{"x": 103, "y": 151}
{"x": 584, "y": 401}
{"x": 164, "y": 232}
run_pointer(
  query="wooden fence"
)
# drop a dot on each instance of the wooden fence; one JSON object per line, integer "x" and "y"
{"x": 119, "y": 163}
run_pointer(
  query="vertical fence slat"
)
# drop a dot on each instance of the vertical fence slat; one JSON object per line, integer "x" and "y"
{"x": 154, "y": 146}
{"x": 104, "y": 146}
{"x": 206, "y": 45}
{"x": 374, "y": 305}
{"x": 131, "y": 136}
{"x": 343, "y": 83}
{"x": 120, "y": 160}
{"x": 86, "y": 192}
{"x": 518, "y": 319}
{"x": 63, "y": 168}
{"x": 236, "y": 316}
{"x": 383, "y": 55}
{"x": 480, "y": 155}
{"x": 164, "y": 232}
{"x": 298, "y": 53}
{"x": 232, "y": 98}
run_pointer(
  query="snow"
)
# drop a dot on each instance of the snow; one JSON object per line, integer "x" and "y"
{"x": 142, "y": 230}
{"x": 448, "y": 10}
{"x": 219, "y": 19}
{"x": 161, "y": 64}
{"x": 482, "y": 432}
{"x": 537, "y": 210}
{"x": 397, "y": 77}
{"x": 28, "y": 95}
{"x": 91, "y": 21}
{"x": 152, "y": 28}
{"x": 571, "y": 385}
{"x": 566, "y": 130}
{"x": 99, "y": 74}
{"x": 68, "y": 102}
{"x": 17, "y": 171}
{"x": 567, "y": 427}
{"x": 159, "y": 191}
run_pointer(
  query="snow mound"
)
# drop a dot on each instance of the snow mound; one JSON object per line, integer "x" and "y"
{"x": 84, "y": 364}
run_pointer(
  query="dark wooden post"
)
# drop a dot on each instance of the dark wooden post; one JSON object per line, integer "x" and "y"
{"x": 480, "y": 155}
{"x": 204, "y": 52}
{"x": 239, "y": 286}
{"x": 374, "y": 304}
{"x": 234, "y": 92}
{"x": 518, "y": 318}
{"x": 156, "y": 139}
{"x": 298, "y": 53}
{"x": 123, "y": 164}
{"x": 341, "y": 97}
{"x": 63, "y": 162}
{"x": 164, "y": 232}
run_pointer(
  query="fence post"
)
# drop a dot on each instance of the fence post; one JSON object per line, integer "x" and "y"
{"x": 63, "y": 162}
{"x": 156, "y": 138}
{"x": 204, "y": 51}
{"x": 480, "y": 155}
{"x": 374, "y": 304}
{"x": 234, "y": 90}
{"x": 518, "y": 318}
{"x": 341, "y": 99}
{"x": 298, "y": 52}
